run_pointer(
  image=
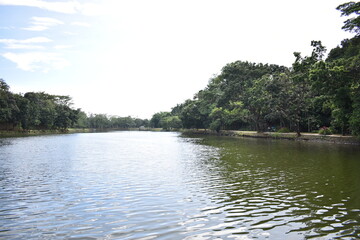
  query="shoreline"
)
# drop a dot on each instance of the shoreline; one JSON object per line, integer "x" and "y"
{"x": 28, "y": 133}
{"x": 308, "y": 137}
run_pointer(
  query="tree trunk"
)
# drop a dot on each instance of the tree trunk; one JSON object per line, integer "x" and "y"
{"x": 298, "y": 134}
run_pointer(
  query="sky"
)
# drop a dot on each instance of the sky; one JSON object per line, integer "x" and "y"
{"x": 138, "y": 57}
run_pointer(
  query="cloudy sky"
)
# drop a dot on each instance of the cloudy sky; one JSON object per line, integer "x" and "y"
{"x": 138, "y": 57}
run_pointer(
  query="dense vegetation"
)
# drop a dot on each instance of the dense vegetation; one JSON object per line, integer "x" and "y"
{"x": 314, "y": 93}
{"x": 102, "y": 121}
{"x": 35, "y": 110}
{"x": 42, "y": 111}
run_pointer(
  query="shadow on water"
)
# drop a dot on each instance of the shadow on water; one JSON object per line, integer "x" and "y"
{"x": 271, "y": 187}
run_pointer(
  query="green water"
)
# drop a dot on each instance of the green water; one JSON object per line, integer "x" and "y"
{"x": 147, "y": 185}
{"x": 313, "y": 186}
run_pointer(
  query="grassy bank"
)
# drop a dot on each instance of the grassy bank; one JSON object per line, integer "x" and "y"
{"x": 335, "y": 138}
{"x": 25, "y": 133}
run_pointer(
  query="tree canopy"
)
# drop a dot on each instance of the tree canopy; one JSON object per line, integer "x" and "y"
{"x": 35, "y": 110}
{"x": 349, "y": 9}
{"x": 313, "y": 93}
{"x": 42, "y": 111}
{"x": 318, "y": 91}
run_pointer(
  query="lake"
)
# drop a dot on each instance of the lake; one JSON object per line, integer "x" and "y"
{"x": 163, "y": 185}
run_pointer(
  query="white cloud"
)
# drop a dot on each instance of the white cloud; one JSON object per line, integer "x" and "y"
{"x": 29, "y": 40}
{"x": 24, "y": 46}
{"x": 68, "y": 7}
{"x": 71, "y": 33}
{"x": 81, "y": 24}
{"x": 43, "y": 23}
{"x": 26, "y": 43}
{"x": 91, "y": 9}
{"x": 47, "y": 21}
{"x": 31, "y": 61}
{"x": 63, "y": 7}
{"x": 36, "y": 28}
{"x": 63, "y": 46}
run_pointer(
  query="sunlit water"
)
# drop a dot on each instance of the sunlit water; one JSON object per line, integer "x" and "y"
{"x": 147, "y": 185}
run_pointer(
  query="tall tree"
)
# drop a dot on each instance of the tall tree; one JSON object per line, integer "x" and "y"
{"x": 301, "y": 92}
{"x": 348, "y": 9}
{"x": 8, "y": 107}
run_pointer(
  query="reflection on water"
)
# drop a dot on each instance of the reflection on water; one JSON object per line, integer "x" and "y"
{"x": 144, "y": 185}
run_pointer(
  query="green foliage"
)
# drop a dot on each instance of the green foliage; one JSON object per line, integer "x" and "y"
{"x": 325, "y": 131}
{"x": 355, "y": 116}
{"x": 166, "y": 120}
{"x": 217, "y": 117}
{"x": 191, "y": 116}
{"x": 5, "y": 102}
{"x": 171, "y": 122}
{"x": 216, "y": 125}
{"x": 103, "y": 121}
{"x": 43, "y": 111}
{"x": 82, "y": 121}
{"x": 236, "y": 115}
{"x": 313, "y": 93}
{"x": 283, "y": 130}
{"x": 238, "y": 76}
{"x": 155, "y": 121}
{"x": 347, "y": 49}
{"x": 34, "y": 110}
{"x": 348, "y": 9}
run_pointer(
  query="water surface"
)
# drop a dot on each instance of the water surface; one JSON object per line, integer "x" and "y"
{"x": 158, "y": 185}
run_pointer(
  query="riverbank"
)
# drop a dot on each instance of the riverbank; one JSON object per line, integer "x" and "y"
{"x": 26, "y": 133}
{"x": 311, "y": 137}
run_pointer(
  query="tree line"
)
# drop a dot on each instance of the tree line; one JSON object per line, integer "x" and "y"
{"x": 103, "y": 121}
{"x": 316, "y": 92}
{"x": 35, "y": 110}
{"x": 42, "y": 111}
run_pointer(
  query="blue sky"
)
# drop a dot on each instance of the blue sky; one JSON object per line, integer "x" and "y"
{"x": 139, "y": 57}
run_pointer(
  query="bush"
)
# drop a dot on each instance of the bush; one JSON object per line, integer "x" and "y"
{"x": 355, "y": 119}
{"x": 325, "y": 131}
{"x": 215, "y": 125}
{"x": 283, "y": 130}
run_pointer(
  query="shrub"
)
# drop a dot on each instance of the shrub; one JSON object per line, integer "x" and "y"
{"x": 283, "y": 130}
{"x": 215, "y": 125}
{"x": 325, "y": 131}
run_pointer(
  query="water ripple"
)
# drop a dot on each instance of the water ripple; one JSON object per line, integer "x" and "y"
{"x": 140, "y": 185}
